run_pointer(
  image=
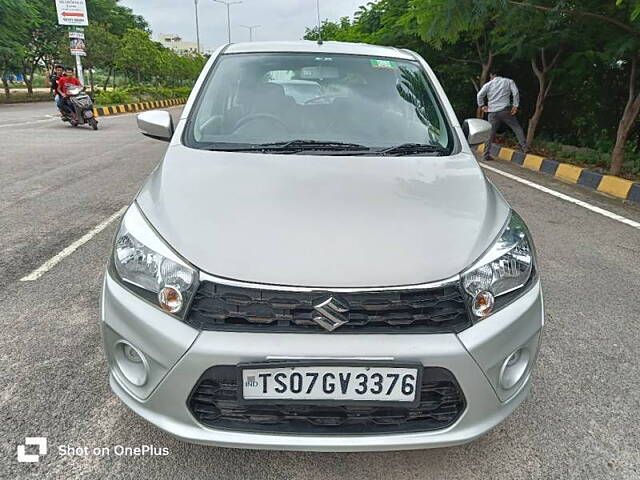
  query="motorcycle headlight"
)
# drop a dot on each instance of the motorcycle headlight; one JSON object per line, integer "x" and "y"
{"x": 148, "y": 267}
{"x": 496, "y": 279}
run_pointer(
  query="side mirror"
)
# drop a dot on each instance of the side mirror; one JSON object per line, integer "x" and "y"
{"x": 477, "y": 130}
{"x": 156, "y": 124}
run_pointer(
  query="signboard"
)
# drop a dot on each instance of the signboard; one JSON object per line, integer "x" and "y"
{"x": 72, "y": 12}
{"x": 77, "y": 43}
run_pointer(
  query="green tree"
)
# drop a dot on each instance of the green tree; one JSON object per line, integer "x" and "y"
{"x": 387, "y": 22}
{"x": 541, "y": 40}
{"x": 341, "y": 31}
{"x": 139, "y": 56}
{"x": 16, "y": 18}
{"x": 621, "y": 22}
{"x": 42, "y": 40}
{"x": 635, "y": 7}
{"x": 392, "y": 22}
{"x": 102, "y": 50}
{"x": 446, "y": 22}
{"x": 116, "y": 18}
{"x": 109, "y": 21}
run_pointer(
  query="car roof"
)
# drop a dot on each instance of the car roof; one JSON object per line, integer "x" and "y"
{"x": 304, "y": 46}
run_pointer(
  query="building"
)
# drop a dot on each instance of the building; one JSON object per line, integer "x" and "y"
{"x": 174, "y": 42}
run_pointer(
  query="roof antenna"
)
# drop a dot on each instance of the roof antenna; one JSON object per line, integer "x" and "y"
{"x": 319, "y": 23}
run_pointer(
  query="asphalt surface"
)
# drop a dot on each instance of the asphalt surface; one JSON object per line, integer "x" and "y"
{"x": 581, "y": 420}
{"x": 18, "y": 113}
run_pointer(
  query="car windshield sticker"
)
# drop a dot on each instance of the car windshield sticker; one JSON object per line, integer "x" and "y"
{"x": 383, "y": 64}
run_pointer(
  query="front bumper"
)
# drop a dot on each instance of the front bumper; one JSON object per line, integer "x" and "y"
{"x": 177, "y": 355}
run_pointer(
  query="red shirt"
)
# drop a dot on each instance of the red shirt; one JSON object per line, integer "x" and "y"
{"x": 63, "y": 82}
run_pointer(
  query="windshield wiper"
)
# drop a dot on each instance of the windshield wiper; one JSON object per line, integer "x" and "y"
{"x": 289, "y": 146}
{"x": 301, "y": 145}
{"x": 413, "y": 148}
{"x": 295, "y": 146}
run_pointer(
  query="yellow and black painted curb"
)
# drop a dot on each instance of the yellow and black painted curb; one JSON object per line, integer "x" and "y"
{"x": 136, "y": 107}
{"x": 611, "y": 185}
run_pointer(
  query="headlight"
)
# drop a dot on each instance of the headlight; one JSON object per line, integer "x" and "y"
{"x": 504, "y": 269}
{"x": 146, "y": 265}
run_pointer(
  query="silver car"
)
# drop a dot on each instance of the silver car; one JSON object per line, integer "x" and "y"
{"x": 332, "y": 273}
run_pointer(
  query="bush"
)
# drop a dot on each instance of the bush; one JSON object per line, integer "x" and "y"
{"x": 140, "y": 93}
{"x": 143, "y": 93}
{"x": 114, "y": 97}
{"x": 585, "y": 157}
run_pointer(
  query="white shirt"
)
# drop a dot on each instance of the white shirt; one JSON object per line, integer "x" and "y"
{"x": 498, "y": 92}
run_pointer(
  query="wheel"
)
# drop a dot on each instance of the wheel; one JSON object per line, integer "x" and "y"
{"x": 74, "y": 123}
{"x": 94, "y": 123}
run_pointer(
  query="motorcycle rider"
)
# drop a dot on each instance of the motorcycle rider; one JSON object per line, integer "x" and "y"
{"x": 58, "y": 72}
{"x": 69, "y": 78}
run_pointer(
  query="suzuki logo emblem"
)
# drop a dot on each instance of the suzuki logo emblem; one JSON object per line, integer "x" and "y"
{"x": 330, "y": 313}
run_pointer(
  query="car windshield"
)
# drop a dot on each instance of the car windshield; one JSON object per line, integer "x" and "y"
{"x": 310, "y": 102}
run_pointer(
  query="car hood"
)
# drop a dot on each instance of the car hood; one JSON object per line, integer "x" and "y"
{"x": 323, "y": 221}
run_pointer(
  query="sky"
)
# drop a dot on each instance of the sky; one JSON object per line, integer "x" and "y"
{"x": 280, "y": 19}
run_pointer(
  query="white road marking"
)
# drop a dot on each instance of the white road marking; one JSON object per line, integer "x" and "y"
{"x": 27, "y": 123}
{"x": 567, "y": 198}
{"x": 100, "y": 117}
{"x": 53, "y": 261}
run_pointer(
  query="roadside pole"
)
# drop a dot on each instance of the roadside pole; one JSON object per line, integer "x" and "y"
{"x": 76, "y": 38}
{"x": 73, "y": 13}
{"x": 79, "y": 70}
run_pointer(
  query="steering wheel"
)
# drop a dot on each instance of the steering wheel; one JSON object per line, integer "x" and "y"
{"x": 319, "y": 99}
{"x": 252, "y": 117}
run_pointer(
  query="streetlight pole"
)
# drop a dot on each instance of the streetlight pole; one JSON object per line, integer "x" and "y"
{"x": 251, "y": 28}
{"x": 319, "y": 23}
{"x": 228, "y": 4}
{"x": 197, "y": 25}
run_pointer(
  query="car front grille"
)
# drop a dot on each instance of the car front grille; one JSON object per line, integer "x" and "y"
{"x": 218, "y": 306}
{"x": 214, "y": 402}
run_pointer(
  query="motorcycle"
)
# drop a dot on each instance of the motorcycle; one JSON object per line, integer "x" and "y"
{"x": 82, "y": 108}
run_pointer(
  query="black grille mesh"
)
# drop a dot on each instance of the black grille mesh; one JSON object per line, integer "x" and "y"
{"x": 223, "y": 307}
{"x": 214, "y": 403}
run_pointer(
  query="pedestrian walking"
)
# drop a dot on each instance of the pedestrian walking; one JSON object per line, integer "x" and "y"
{"x": 500, "y": 98}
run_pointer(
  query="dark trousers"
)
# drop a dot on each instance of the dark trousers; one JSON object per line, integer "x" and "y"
{"x": 65, "y": 105}
{"x": 496, "y": 119}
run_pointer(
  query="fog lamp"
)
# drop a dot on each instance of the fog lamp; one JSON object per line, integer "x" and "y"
{"x": 170, "y": 299}
{"x": 131, "y": 363}
{"x": 131, "y": 354}
{"x": 513, "y": 368}
{"x": 483, "y": 303}
{"x": 514, "y": 357}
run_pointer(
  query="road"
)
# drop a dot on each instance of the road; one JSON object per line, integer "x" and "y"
{"x": 18, "y": 113}
{"x": 580, "y": 422}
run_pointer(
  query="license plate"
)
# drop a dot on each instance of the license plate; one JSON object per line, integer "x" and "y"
{"x": 331, "y": 383}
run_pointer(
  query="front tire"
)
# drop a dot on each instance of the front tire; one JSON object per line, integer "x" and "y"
{"x": 94, "y": 123}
